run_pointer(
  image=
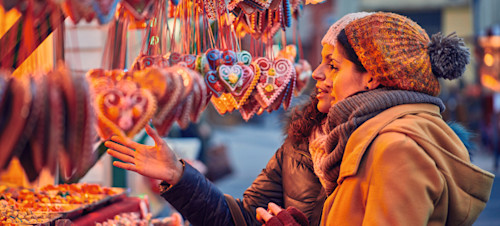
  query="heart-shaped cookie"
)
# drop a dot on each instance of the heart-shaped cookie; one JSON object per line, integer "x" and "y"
{"x": 124, "y": 110}
{"x": 213, "y": 83}
{"x": 145, "y": 61}
{"x": 231, "y": 77}
{"x": 249, "y": 81}
{"x": 189, "y": 60}
{"x": 274, "y": 79}
{"x": 229, "y": 57}
{"x": 213, "y": 57}
{"x": 174, "y": 58}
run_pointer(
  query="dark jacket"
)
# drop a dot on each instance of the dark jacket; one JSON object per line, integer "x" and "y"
{"x": 287, "y": 180}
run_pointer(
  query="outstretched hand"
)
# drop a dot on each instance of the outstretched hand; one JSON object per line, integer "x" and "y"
{"x": 158, "y": 161}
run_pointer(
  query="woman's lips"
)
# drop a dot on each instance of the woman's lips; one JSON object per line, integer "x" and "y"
{"x": 321, "y": 93}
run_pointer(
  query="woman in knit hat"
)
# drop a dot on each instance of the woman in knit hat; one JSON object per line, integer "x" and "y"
{"x": 200, "y": 202}
{"x": 388, "y": 158}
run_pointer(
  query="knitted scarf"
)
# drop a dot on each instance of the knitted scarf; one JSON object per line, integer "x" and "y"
{"x": 327, "y": 149}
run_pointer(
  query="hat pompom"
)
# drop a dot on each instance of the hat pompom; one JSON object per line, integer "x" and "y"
{"x": 449, "y": 56}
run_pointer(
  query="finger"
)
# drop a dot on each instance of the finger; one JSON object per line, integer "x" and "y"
{"x": 154, "y": 134}
{"x": 120, "y": 156}
{"x": 125, "y": 166}
{"x": 126, "y": 142}
{"x": 273, "y": 208}
{"x": 262, "y": 215}
{"x": 119, "y": 148}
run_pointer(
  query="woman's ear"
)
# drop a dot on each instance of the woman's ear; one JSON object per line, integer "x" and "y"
{"x": 370, "y": 81}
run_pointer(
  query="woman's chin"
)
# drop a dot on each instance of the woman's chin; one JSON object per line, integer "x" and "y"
{"x": 323, "y": 107}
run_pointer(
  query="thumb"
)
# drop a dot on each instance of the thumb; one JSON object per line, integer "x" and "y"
{"x": 154, "y": 134}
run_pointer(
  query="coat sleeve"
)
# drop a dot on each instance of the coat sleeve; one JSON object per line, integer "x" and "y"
{"x": 198, "y": 200}
{"x": 403, "y": 182}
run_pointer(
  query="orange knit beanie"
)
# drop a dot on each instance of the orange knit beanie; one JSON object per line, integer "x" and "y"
{"x": 399, "y": 53}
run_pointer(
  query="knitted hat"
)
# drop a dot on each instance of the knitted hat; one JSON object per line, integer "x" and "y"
{"x": 334, "y": 30}
{"x": 399, "y": 53}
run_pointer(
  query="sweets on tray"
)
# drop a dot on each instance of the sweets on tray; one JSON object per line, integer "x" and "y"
{"x": 12, "y": 213}
{"x": 64, "y": 198}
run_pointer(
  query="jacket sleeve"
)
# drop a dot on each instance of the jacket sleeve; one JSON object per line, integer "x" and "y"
{"x": 198, "y": 200}
{"x": 404, "y": 182}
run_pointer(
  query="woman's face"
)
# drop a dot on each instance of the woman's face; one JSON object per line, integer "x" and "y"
{"x": 323, "y": 83}
{"x": 346, "y": 79}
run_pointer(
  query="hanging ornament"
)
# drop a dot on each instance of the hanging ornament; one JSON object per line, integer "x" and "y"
{"x": 105, "y": 9}
{"x": 273, "y": 80}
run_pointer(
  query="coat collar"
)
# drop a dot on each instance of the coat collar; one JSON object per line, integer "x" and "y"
{"x": 362, "y": 137}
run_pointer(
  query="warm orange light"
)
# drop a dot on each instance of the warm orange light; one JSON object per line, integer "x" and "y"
{"x": 488, "y": 59}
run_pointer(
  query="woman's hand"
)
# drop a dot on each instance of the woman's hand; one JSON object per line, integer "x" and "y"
{"x": 158, "y": 162}
{"x": 276, "y": 216}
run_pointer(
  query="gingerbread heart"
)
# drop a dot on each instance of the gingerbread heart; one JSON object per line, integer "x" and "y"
{"x": 229, "y": 57}
{"x": 231, "y": 77}
{"x": 144, "y": 61}
{"x": 190, "y": 61}
{"x": 213, "y": 83}
{"x": 249, "y": 109}
{"x": 124, "y": 110}
{"x": 174, "y": 58}
{"x": 250, "y": 78}
{"x": 274, "y": 79}
{"x": 213, "y": 57}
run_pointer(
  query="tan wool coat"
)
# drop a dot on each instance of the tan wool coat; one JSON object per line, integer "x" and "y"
{"x": 406, "y": 166}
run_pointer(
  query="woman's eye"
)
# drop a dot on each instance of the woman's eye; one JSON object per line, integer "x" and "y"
{"x": 332, "y": 67}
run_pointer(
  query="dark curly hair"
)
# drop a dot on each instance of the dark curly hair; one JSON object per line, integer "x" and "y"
{"x": 303, "y": 120}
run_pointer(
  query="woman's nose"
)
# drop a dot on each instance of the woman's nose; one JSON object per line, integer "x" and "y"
{"x": 318, "y": 74}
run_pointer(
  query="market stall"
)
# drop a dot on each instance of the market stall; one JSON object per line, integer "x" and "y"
{"x": 233, "y": 55}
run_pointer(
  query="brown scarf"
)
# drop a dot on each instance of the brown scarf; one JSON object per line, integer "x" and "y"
{"x": 327, "y": 149}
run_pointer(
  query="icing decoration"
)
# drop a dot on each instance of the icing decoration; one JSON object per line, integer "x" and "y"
{"x": 244, "y": 57}
{"x": 286, "y": 20}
